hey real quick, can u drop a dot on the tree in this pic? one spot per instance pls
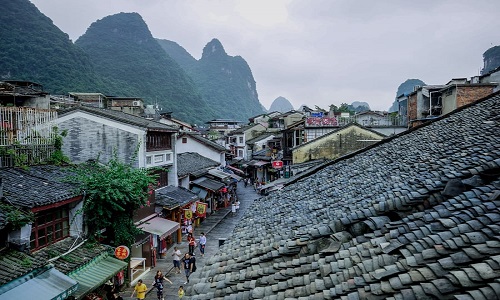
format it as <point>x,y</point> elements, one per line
<point>113,192</point>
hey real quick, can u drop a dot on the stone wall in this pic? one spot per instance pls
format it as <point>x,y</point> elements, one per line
<point>88,139</point>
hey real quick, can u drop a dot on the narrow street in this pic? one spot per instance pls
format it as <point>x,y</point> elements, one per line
<point>218,226</point>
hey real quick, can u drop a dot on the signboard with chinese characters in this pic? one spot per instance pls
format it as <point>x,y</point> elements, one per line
<point>188,214</point>
<point>277,164</point>
<point>321,122</point>
<point>201,209</point>
<point>122,252</point>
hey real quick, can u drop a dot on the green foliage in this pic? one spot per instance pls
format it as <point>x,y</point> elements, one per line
<point>57,157</point>
<point>34,49</point>
<point>16,217</point>
<point>113,192</point>
<point>26,262</point>
<point>141,67</point>
<point>224,81</point>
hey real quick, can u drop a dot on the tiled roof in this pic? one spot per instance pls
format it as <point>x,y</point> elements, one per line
<point>415,217</point>
<point>205,141</point>
<point>14,264</point>
<point>334,132</point>
<point>260,137</point>
<point>172,196</point>
<point>37,185</point>
<point>243,129</point>
<point>121,117</point>
<point>191,162</point>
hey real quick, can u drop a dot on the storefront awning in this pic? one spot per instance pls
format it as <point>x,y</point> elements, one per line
<point>159,226</point>
<point>236,177</point>
<point>261,163</point>
<point>48,283</point>
<point>95,274</point>
<point>219,174</point>
<point>209,184</point>
<point>235,169</point>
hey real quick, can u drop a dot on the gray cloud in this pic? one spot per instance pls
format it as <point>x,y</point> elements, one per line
<point>317,52</point>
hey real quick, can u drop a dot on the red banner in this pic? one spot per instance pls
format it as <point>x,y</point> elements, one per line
<point>201,209</point>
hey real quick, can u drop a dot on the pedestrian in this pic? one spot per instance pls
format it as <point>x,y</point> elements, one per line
<point>177,260</point>
<point>233,209</point>
<point>189,228</point>
<point>191,242</point>
<point>158,284</point>
<point>237,205</point>
<point>245,181</point>
<point>189,265</point>
<point>141,289</point>
<point>203,242</point>
<point>180,292</point>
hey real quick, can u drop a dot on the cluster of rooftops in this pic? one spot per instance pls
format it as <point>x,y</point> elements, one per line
<point>415,216</point>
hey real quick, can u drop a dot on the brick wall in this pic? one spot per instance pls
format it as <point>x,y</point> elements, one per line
<point>469,94</point>
<point>412,107</point>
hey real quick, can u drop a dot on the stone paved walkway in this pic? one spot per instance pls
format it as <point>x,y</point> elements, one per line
<point>218,226</point>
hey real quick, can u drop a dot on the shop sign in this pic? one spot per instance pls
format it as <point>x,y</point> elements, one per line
<point>188,214</point>
<point>122,252</point>
<point>201,209</point>
<point>278,164</point>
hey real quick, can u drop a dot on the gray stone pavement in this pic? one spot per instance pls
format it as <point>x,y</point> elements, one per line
<point>220,225</point>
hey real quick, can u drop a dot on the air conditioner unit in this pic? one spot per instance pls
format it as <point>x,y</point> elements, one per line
<point>136,103</point>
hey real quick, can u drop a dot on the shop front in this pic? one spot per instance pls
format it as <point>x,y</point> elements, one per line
<point>213,193</point>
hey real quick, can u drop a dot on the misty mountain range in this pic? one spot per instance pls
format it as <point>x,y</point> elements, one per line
<point>118,56</point>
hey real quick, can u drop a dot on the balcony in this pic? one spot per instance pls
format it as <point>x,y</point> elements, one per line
<point>27,135</point>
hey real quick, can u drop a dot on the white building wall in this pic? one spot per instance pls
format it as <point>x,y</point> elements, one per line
<point>193,145</point>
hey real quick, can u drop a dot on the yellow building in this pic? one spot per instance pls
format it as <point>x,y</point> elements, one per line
<point>337,143</point>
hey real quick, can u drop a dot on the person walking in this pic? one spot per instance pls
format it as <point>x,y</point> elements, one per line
<point>177,260</point>
<point>203,242</point>
<point>180,292</point>
<point>191,242</point>
<point>140,288</point>
<point>158,284</point>
<point>189,265</point>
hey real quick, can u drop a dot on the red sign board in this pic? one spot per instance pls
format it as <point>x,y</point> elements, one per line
<point>122,252</point>
<point>278,164</point>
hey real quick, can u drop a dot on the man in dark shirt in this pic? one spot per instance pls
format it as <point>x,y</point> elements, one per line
<point>189,262</point>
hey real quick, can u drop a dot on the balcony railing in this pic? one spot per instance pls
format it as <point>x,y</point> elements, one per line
<point>26,126</point>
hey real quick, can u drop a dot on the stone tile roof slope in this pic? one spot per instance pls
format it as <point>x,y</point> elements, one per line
<point>415,217</point>
<point>121,117</point>
<point>190,162</point>
<point>173,196</point>
<point>260,137</point>
<point>37,185</point>
<point>14,264</point>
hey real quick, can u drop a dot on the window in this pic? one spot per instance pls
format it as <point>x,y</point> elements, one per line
<point>149,160</point>
<point>49,226</point>
<point>240,153</point>
<point>158,141</point>
<point>241,140</point>
<point>184,140</point>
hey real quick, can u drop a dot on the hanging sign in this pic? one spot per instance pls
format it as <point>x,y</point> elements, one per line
<point>201,209</point>
<point>188,214</point>
<point>277,164</point>
<point>122,252</point>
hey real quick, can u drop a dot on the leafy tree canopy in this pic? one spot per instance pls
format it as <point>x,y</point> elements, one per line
<point>113,191</point>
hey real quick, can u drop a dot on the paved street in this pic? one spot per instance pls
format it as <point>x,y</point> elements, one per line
<point>218,226</point>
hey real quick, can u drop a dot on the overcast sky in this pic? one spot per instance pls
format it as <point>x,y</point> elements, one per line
<point>316,52</point>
